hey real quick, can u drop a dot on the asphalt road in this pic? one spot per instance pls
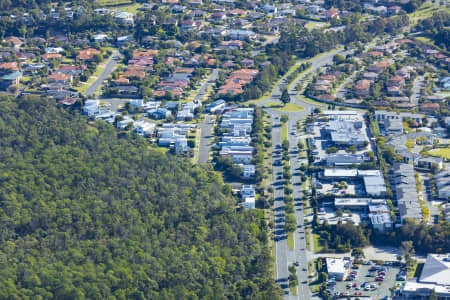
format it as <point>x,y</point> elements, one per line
<point>281,247</point>
<point>104,75</point>
<point>212,78</point>
<point>205,139</point>
<point>417,86</point>
<point>206,125</point>
<point>283,255</point>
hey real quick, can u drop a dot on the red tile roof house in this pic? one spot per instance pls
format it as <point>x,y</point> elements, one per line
<point>394,91</point>
<point>60,78</point>
<point>379,67</point>
<point>237,12</point>
<point>429,107</point>
<point>376,53</point>
<point>9,66</point>
<point>148,53</point>
<point>15,41</point>
<point>332,13</point>
<point>173,84</point>
<point>87,54</point>
<point>48,56</point>
<point>169,1</point>
<point>234,44</point>
<point>362,88</point>
<point>134,74</point>
<point>328,77</point>
<point>397,81</point>
<point>121,81</point>
<point>72,70</point>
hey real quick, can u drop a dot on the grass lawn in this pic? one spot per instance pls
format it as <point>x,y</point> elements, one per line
<point>308,244</point>
<point>317,246</point>
<point>113,2</point>
<point>425,11</point>
<point>284,131</point>
<point>293,290</point>
<point>290,107</point>
<point>290,240</point>
<point>442,152</point>
<point>311,101</point>
<point>130,8</point>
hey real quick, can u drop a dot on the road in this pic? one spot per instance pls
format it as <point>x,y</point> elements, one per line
<point>205,139</point>
<point>204,88</point>
<point>418,85</point>
<point>206,125</point>
<point>110,65</point>
<point>283,255</point>
<point>341,91</point>
<point>281,247</point>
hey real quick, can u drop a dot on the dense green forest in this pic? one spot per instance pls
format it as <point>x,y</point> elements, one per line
<point>437,28</point>
<point>86,213</point>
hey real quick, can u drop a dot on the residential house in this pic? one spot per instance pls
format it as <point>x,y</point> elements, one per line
<point>429,107</point>
<point>231,45</point>
<point>87,54</point>
<point>144,128</point>
<point>362,88</point>
<point>10,79</point>
<point>60,78</point>
<point>124,17</point>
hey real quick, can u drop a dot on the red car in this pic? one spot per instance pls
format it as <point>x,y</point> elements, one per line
<point>355,284</point>
<point>382,273</point>
<point>379,279</point>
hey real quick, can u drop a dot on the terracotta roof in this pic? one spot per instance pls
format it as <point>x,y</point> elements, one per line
<point>14,40</point>
<point>9,66</point>
<point>51,56</point>
<point>134,73</point>
<point>87,54</point>
<point>122,80</point>
<point>362,85</point>
<point>149,52</point>
<point>60,77</point>
<point>375,53</point>
<point>430,105</point>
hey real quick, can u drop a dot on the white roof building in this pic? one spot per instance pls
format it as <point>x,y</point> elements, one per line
<point>338,268</point>
<point>436,270</point>
<point>340,172</point>
<point>435,276</point>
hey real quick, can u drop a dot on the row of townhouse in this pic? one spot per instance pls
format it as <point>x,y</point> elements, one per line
<point>174,136</point>
<point>236,143</point>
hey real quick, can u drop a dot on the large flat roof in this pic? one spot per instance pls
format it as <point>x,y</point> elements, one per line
<point>340,172</point>
<point>337,265</point>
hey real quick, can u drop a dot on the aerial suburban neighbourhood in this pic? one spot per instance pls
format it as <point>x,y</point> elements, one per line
<point>225,149</point>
